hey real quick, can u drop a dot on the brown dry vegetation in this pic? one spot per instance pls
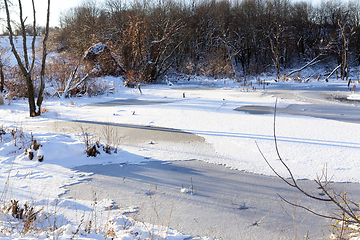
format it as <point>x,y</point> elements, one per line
<point>147,40</point>
<point>216,37</point>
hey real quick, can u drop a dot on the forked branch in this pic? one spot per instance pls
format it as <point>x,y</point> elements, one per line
<point>339,200</point>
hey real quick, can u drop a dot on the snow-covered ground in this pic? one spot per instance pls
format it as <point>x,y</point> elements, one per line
<point>306,144</point>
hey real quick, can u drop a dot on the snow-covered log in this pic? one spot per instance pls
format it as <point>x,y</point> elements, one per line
<point>312,62</point>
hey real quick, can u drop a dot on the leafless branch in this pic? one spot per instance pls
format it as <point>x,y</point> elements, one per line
<point>337,199</point>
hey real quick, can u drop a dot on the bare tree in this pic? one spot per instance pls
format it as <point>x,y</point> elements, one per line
<point>345,37</point>
<point>277,30</point>
<point>79,26</point>
<point>26,64</point>
<point>274,39</point>
<point>220,35</point>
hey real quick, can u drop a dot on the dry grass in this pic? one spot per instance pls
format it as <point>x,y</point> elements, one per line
<point>93,144</point>
<point>27,219</point>
<point>112,138</point>
<point>44,110</point>
<point>42,217</point>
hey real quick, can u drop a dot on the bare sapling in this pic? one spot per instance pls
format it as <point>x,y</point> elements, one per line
<point>346,208</point>
<point>26,63</point>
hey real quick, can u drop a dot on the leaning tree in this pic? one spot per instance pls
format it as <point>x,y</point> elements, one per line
<point>27,63</point>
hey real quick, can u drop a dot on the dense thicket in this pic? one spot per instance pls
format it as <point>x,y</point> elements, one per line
<point>216,37</point>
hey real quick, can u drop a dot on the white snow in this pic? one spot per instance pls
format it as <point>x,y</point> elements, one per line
<point>354,96</point>
<point>96,49</point>
<point>306,144</point>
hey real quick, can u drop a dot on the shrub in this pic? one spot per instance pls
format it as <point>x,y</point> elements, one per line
<point>134,77</point>
<point>216,66</point>
<point>61,68</point>
<point>16,85</point>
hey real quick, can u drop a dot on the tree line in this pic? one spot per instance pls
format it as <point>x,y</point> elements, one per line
<point>216,37</point>
<point>238,38</point>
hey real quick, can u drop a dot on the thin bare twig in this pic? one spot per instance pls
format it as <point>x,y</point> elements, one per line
<point>339,200</point>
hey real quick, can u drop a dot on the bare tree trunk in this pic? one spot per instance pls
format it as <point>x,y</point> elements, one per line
<point>310,63</point>
<point>43,62</point>
<point>345,52</point>
<point>2,78</point>
<point>275,49</point>
<point>31,95</point>
<point>335,69</point>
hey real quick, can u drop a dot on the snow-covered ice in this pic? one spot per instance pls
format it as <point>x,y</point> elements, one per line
<point>306,144</point>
